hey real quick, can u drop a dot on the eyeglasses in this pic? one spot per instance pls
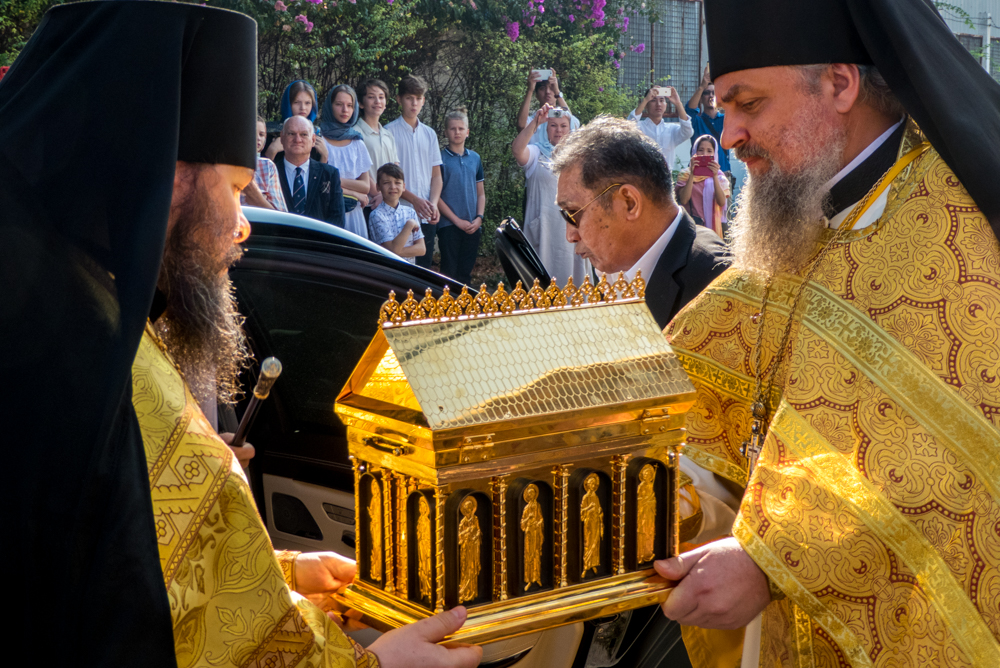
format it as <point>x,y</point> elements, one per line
<point>570,218</point>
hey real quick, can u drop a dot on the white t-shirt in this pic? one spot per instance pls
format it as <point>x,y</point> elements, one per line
<point>418,152</point>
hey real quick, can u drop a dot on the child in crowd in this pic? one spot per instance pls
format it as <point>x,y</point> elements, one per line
<point>392,224</point>
<point>463,200</point>
<point>381,144</point>
<point>265,189</point>
<point>347,152</point>
<point>420,158</point>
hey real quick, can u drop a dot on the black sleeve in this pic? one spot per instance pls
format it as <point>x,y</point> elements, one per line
<point>335,203</point>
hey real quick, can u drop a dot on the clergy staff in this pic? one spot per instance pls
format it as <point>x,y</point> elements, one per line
<point>846,364</point>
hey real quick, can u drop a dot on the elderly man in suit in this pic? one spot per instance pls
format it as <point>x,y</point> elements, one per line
<point>310,187</point>
<point>616,194</point>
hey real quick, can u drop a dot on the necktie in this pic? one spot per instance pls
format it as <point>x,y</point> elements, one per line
<point>298,193</point>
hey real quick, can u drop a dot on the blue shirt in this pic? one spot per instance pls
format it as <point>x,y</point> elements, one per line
<point>703,125</point>
<point>386,223</point>
<point>459,176</point>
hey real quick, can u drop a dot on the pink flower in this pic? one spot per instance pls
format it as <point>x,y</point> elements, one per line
<point>571,18</point>
<point>639,48</point>
<point>617,64</point>
<point>286,28</point>
<point>513,30</point>
<point>301,18</point>
<point>315,2</point>
<point>279,6</point>
<point>309,26</point>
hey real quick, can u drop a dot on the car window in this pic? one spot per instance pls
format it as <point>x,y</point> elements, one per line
<point>317,330</point>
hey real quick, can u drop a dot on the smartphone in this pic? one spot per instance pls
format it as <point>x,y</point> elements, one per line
<point>557,113</point>
<point>543,74</point>
<point>664,91</point>
<point>699,165</point>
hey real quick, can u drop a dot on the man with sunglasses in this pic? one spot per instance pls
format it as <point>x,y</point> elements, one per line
<point>616,195</point>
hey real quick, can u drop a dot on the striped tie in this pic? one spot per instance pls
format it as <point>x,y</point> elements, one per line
<point>298,193</point>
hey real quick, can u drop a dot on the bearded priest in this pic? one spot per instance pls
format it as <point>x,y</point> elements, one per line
<point>848,365</point>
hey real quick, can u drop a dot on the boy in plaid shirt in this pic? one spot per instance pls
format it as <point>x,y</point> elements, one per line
<point>394,225</point>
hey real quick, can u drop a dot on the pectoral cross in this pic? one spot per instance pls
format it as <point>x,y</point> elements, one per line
<point>752,446</point>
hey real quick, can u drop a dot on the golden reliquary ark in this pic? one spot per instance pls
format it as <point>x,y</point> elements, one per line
<point>515,453</point>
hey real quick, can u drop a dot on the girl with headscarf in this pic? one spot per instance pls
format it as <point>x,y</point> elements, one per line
<point>704,196</point>
<point>299,99</point>
<point>346,151</point>
<point>544,226</point>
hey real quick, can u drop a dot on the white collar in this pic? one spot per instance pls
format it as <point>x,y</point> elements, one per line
<point>647,263</point>
<point>290,172</point>
<point>852,165</point>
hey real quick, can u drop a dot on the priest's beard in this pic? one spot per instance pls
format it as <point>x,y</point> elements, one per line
<point>201,326</point>
<point>779,216</point>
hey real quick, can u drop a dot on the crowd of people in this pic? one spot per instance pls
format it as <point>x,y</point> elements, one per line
<point>441,196</point>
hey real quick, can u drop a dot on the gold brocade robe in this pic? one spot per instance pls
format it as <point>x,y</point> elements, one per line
<point>875,506</point>
<point>229,599</point>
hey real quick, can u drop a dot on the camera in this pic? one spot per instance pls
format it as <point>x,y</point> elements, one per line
<point>557,113</point>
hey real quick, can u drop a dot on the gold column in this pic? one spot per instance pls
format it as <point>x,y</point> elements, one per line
<point>618,510</point>
<point>675,500</point>
<point>560,522</point>
<point>402,551</point>
<point>358,511</point>
<point>388,486</point>
<point>498,486</point>
<point>439,499</point>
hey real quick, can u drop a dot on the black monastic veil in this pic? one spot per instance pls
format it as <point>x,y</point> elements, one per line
<point>94,114</point>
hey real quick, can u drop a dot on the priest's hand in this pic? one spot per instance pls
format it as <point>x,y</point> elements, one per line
<point>720,586</point>
<point>244,453</point>
<point>415,646</point>
<point>318,576</point>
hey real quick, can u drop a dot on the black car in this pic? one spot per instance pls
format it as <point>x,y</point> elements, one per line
<point>311,294</point>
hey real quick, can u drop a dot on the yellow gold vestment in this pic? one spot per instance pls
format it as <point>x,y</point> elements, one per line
<point>230,598</point>
<point>875,506</point>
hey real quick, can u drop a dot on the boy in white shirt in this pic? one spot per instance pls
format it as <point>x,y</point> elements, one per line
<point>391,224</point>
<point>420,158</point>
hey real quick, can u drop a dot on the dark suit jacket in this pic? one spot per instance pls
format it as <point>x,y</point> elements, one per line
<point>324,197</point>
<point>693,258</point>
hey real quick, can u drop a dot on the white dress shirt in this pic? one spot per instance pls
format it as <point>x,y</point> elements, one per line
<point>418,153</point>
<point>668,136</point>
<point>647,263</point>
<point>290,175</point>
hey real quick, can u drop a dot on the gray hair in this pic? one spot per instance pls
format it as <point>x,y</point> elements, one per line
<point>873,91</point>
<point>609,150</point>
<point>284,125</point>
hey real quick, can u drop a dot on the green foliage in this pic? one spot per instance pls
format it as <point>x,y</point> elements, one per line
<point>18,19</point>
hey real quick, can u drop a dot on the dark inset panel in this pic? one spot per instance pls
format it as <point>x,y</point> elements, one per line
<point>371,532</point>
<point>530,536</point>
<point>646,524</point>
<point>421,548</point>
<point>589,544</point>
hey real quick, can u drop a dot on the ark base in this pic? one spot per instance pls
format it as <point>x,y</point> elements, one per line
<point>500,620</point>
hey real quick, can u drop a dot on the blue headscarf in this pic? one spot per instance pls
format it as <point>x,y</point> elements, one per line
<point>543,144</point>
<point>330,127</point>
<point>286,102</point>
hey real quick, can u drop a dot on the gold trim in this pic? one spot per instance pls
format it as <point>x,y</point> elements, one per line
<point>388,544</point>
<point>501,302</point>
<point>802,637</point>
<point>440,496</point>
<point>838,631</point>
<point>498,487</point>
<point>402,542</point>
<point>560,479</point>
<point>619,510</point>
<point>834,472</point>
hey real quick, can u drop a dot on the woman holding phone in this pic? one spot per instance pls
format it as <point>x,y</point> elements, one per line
<point>702,188</point>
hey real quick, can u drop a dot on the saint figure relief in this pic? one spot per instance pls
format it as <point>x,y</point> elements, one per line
<point>469,540</point>
<point>645,501</point>
<point>375,531</point>
<point>424,549</point>
<point>592,517</point>
<point>532,524</point>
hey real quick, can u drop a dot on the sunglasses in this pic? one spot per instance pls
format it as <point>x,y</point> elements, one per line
<point>570,218</point>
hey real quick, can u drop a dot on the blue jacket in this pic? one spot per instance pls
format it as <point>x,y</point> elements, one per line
<point>324,196</point>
